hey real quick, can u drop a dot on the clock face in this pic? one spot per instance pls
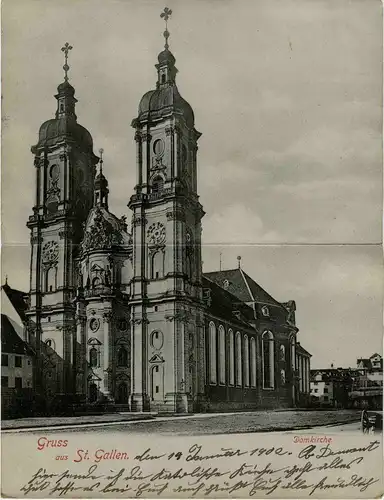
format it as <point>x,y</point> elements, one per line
<point>156,233</point>
<point>50,251</point>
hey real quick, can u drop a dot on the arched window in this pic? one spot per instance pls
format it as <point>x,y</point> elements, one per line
<point>221,355</point>
<point>293,353</point>
<point>253,362</point>
<point>239,365</point>
<point>50,279</point>
<point>122,357</point>
<point>93,391</point>
<point>122,393</point>
<point>157,184</point>
<point>282,353</point>
<point>246,361</point>
<point>157,392</point>
<point>231,341</point>
<point>157,265</point>
<point>93,361</point>
<point>212,353</point>
<point>268,361</point>
<point>96,282</point>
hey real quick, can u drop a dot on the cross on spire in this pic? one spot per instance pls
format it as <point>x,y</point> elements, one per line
<point>166,15</point>
<point>66,49</point>
<point>101,151</point>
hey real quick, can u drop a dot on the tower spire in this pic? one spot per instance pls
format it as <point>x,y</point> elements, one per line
<point>101,185</point>
<point>166,15</point>
<point>66,50</point>
<point>101,151</point>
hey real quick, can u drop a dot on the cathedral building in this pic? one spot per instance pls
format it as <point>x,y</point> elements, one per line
<point>127,318</point>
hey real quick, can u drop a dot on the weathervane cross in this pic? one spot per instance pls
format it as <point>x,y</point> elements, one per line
<point>66,49</point>
<point>166,15</point>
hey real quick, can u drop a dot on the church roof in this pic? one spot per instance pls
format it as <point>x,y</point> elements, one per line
<point>242,286</point>
<point>225,305</point>
<point>104,230</point>
<point>300,350</point>
<point>18,300</point>
<point>59,129</point>
<point>161,102</point>
<point>10,340</point>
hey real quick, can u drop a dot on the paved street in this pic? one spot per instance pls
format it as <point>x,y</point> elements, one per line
<point>229,423</point>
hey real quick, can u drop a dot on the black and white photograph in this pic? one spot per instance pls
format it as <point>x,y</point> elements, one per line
<point>192,199</point>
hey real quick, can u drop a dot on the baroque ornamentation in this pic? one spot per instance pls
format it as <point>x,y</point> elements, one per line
<point>138,221</point>
<point>145,137</point>
<point>138,136</point>
<point>107,316</point>
<point>176,215</point>
<point>101,234</point>
<point>169,131</point>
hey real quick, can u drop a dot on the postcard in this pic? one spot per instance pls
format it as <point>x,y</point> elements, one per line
<point>192,281</point>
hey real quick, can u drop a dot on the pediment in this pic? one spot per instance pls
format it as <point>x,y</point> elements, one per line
<point>96,268</point>
<point>156,358</point>
<point>93,341</point>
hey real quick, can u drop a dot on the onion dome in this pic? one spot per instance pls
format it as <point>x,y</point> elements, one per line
<point>164,101</point>
<point>64,126</point>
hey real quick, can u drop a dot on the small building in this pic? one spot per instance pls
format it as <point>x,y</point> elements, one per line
<point>16,370</point>
<point>330,387</point>
<point>367,387</point>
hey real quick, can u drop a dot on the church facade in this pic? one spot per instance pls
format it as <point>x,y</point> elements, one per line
<point>127,318</point>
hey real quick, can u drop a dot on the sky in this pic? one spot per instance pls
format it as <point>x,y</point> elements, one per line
<point>288,97</point>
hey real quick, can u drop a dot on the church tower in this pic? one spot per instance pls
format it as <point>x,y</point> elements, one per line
<point>166,291</point>
<point>64,189</point>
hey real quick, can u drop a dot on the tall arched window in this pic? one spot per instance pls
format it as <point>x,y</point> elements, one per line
<point>157,265</point>
<point>246,361</point>
<point>268,361</point>
<point>239,360</point>
<point>293,353</point>
<point>231,341</point>
<point>93,355</point>
<point>253,362</point>
<point>50,279</point>
<point>122,357</point>
<point>212,353</point>
<point>222,370</point>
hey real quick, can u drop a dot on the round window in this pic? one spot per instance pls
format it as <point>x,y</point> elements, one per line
<point>157,339</point>
<point>94,324</point>
<point>158,147</point>
<point>54,172</point>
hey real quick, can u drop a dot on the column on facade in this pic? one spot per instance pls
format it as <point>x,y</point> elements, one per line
<point>146,139</point>
<point>107,317</point>
<point>301,373</point>
<point>139,164</point>
<point>137,368</point>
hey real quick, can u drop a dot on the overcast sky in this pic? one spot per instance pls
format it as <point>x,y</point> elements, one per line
<point>288,97</point>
